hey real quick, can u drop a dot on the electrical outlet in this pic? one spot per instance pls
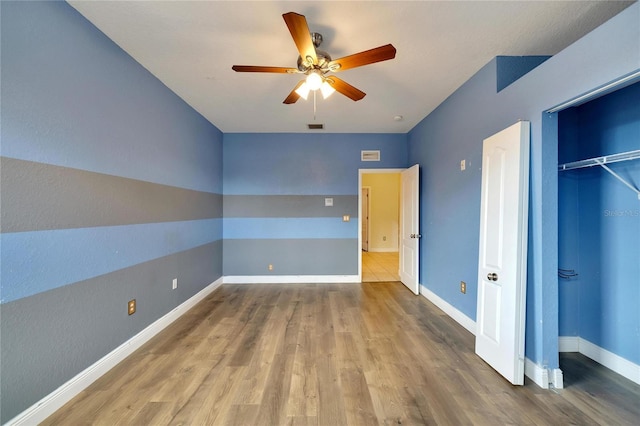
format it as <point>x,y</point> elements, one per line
<point>270,267</point>
<point>384,238</point>
<point>131,306</point>
<point>463,287</point>
<point>174,285</point>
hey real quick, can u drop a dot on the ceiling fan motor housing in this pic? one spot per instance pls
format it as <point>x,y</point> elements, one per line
<point>324,58</point>
<point>323,62</point>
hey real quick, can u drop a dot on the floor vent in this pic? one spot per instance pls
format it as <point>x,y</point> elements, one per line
<point>369,155</point>
<point>315,126</point>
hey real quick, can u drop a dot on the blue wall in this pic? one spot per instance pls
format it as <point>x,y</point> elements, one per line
<point>599,231</point>
<point>111,187</point>
<point>274,191</point>
<point>450,198</point>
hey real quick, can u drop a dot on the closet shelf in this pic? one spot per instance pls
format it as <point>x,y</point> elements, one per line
<point>602,161</point>
<point>605,159</point>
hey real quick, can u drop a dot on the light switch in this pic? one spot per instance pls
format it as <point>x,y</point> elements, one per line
<point>328,202</point>
<point>463,164</point>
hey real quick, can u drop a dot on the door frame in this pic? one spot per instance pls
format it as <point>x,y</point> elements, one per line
<point>550,240</point>
<point>360,173</point>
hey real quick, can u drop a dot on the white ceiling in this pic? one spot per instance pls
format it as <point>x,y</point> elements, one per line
<point>191,45</point>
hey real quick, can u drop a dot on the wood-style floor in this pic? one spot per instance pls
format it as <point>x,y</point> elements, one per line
<point>379,266</point>
<point>333,354</point>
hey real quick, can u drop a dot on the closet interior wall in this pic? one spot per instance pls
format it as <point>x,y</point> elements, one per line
<point>599,226</point>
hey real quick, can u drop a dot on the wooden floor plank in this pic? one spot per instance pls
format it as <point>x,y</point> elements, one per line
<point>303,393</point>
<point>153,413</point>
<point>241,415</point>
<point>331,408</point>
<point>357,399</point>
<point>333,354</point>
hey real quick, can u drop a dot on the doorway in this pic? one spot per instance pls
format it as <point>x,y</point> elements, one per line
<point>379,206</point>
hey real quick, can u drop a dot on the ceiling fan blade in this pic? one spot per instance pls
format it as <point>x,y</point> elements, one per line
<point>345,88</point>
<point>252,68</point>
<point>299,30</point>
<point>293,96</point>
<point>378,54</point>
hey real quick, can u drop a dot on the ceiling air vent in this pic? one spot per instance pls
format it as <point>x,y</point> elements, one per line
<point>369,155</point>
<point>315,126</point>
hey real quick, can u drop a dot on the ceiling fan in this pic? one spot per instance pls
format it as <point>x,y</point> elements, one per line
<point>317,64</point>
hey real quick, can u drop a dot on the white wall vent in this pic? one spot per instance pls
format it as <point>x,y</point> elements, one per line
<point>370,155</point>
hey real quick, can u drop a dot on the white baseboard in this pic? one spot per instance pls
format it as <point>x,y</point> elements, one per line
<point>556,379</point>
<point>568,344</point>
<point>56,399</point>
<point>543,377</point>
<point>289,279</point>
<point>602,356</point>
<point>448,309</point>
<point>537,373</point>
<point>383,249</point>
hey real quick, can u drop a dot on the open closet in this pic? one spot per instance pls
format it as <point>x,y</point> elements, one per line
<point>599,230</point>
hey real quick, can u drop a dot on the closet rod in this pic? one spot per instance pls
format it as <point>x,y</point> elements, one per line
<point>602,161</point>
<point>605,159</point>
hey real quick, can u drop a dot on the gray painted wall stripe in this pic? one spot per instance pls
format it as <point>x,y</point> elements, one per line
<point>39,355</point>
<point>289,206</point>
<point>37,196</point>
<point>291,257</point>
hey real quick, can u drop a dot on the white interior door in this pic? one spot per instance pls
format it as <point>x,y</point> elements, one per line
<point>502,265</point>
<point>365,218</point>
<point>409,228</point>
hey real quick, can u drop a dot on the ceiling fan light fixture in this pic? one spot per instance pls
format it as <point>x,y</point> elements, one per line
<point>326,89</point>
<point>314,80</point>
<point>303,91</point>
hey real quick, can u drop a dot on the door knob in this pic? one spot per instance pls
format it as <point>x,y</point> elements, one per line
<point>492,276</point>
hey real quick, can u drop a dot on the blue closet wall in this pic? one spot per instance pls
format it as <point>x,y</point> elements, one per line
<point>111,187</point>
<point>599,225</point>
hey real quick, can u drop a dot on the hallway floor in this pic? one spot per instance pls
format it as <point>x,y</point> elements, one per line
<point>377,267</point>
